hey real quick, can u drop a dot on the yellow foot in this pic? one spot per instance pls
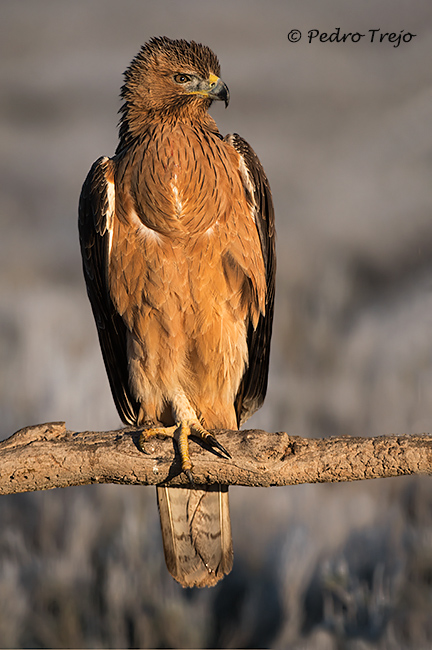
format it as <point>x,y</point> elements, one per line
<point>181,433</point>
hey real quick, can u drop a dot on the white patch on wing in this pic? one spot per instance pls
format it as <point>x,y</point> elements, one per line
<point>245,176</point>
<point>244,173</point>
<point>109,215</point>
<point>110,240</point>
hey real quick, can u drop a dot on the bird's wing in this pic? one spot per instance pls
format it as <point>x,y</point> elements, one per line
<point>96,217</point>
<point>253,386</point>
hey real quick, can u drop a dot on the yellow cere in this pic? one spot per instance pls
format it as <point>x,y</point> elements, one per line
<point>213,79</point>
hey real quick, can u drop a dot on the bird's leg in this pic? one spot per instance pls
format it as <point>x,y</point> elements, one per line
<point>181,431</point>
<point>194,428</point>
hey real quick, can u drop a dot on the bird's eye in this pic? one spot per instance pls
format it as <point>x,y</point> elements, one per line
<point>181,78</point>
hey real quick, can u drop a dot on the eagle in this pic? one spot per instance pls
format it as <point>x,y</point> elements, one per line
<point>178,247</point>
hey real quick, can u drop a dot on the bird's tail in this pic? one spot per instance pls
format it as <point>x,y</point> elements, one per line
<point>196,532</point>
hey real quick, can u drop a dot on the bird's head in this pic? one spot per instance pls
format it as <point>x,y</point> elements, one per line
<point>171,78</point>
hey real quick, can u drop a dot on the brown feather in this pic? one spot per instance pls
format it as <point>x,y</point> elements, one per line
<point>178,251</point>
<point>196,533</point>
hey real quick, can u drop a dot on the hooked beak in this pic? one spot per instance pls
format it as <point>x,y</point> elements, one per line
<point>218,90</point>
<point>213,88</point>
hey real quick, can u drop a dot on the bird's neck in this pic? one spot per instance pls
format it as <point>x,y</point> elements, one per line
<point>136,126</point>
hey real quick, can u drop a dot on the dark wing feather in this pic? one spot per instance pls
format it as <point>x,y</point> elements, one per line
<point>95,220</point>
<point>253,386</point>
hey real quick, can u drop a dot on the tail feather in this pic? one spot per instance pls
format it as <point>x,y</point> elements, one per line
<point>196,533</point>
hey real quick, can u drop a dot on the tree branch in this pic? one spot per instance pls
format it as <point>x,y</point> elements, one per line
<point>48,456</point>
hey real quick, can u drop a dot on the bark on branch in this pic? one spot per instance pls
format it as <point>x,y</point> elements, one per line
<point>48,456</point>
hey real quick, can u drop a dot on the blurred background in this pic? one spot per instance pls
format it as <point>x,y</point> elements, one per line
<point>344,133</point>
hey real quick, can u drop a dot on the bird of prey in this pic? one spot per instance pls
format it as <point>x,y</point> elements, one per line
<point>177,241</point>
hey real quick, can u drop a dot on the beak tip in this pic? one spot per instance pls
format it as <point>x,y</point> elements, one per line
<point>227,97</point>
<point>220,92</point>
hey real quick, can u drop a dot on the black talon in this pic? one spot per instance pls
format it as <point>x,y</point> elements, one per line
<point>214,443</point>
<point>190,477</point>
